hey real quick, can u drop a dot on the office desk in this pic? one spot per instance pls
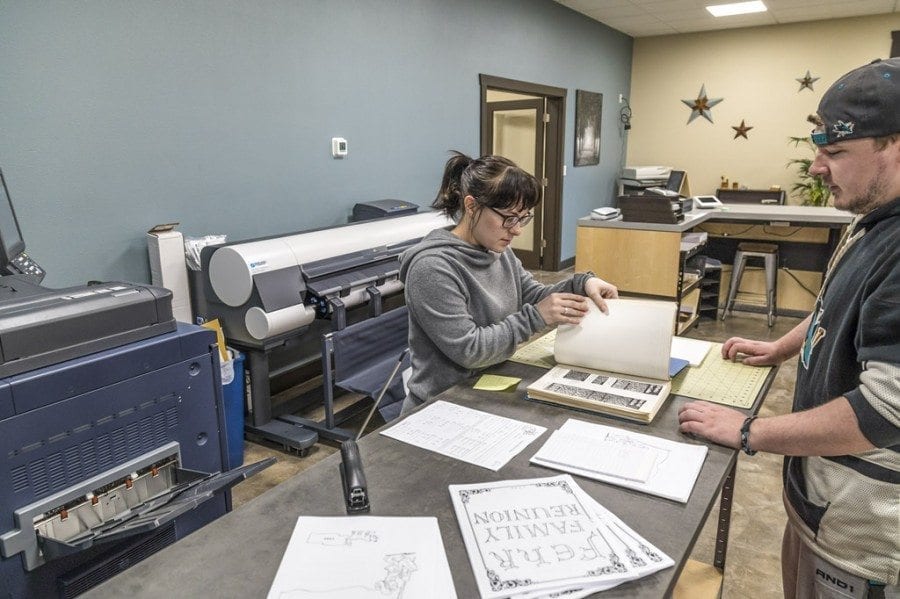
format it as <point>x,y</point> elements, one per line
<point>645,258</point>
<point>238,554</point>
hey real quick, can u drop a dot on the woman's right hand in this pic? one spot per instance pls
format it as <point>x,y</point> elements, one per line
<point>752,353</point>
<point>563,308</point>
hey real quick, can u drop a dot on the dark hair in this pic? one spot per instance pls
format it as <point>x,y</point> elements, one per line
<point>493,181</point>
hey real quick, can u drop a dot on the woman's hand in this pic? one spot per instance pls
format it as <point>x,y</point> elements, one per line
<point>563,308</point>
<point>597,289</point>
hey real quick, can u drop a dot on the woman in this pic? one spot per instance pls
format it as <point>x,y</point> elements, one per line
<point>470,300</point>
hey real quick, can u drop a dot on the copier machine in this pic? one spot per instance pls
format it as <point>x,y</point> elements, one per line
<point>111,433</point>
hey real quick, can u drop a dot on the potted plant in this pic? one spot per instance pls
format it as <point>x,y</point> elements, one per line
<point>811,189</point>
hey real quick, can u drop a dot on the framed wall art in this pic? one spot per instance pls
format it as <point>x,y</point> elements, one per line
<point>588,109</point>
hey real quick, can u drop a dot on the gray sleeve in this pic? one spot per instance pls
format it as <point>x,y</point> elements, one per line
<point>440,307</point>
<point>534,291</point>
<point>876,403</point>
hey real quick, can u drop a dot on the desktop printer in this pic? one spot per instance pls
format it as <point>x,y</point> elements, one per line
<point>382,208</point>
<point>645,173</point>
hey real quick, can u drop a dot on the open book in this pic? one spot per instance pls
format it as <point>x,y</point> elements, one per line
<point>616,364</point>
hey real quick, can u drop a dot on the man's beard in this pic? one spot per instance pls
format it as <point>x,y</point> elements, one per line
<point>872,197</point>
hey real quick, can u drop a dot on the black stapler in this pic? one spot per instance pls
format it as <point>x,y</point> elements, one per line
<point>353,479</point>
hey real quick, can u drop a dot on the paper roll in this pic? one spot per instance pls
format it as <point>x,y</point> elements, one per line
<point>261,324</point>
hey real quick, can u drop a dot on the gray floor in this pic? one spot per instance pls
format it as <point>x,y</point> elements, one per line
<point>752,567</point>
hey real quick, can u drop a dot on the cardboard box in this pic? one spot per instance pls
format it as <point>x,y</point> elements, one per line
<point>165,247</point>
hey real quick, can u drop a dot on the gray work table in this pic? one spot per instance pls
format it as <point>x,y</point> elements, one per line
<point>238,554</point>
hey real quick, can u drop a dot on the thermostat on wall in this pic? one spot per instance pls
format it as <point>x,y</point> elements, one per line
<point>338,147</point>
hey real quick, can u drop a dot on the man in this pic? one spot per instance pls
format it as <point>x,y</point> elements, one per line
<point>842,439</point>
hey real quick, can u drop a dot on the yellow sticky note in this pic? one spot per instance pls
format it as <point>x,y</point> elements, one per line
<point>495,382</point>
<point>220,337</point>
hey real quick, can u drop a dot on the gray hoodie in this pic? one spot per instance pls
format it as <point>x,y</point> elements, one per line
<point>468,309</point>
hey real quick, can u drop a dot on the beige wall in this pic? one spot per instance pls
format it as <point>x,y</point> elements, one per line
<point>755,71</point>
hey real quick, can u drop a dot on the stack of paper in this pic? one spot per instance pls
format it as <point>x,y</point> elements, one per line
<point>364,556</point>
<point>641,462</point>
<point>546,537</point>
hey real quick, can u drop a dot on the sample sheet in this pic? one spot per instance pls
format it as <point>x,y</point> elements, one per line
<point>633,460</point>
<point>469,435</point>
<point>354,557</point>
<point>536,537</point>
<point>721,381</point>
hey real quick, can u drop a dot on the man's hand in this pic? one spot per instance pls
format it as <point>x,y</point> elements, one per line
<point>755,353</point>
<point>713,422</point>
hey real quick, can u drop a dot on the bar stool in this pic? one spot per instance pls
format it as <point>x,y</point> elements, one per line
<point>768,252</point>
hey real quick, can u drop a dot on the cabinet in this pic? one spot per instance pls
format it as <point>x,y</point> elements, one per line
<point>643,263</point>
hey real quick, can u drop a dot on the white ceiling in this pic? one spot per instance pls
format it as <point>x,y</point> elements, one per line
<point>643,18</point>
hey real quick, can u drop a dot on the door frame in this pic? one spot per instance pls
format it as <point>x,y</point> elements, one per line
<point>530,258</point>
<point>554,139</point>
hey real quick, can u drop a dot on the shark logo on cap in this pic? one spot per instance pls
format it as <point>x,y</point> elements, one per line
<point>842,129</point>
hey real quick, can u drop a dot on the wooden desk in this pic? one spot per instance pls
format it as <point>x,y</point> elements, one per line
<point>645,258</point>
<point>238,554</point>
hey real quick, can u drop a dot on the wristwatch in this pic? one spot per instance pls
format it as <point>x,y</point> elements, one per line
<point>745,436</point>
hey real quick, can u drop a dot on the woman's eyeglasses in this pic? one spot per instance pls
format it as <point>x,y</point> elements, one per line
<point>511,220</point>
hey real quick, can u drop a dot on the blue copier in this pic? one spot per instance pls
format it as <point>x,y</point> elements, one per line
<point>111,433</point>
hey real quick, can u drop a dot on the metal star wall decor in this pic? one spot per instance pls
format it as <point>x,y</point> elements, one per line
<point>702,105</point>
<point>806,82</point>
<point>741,131</point>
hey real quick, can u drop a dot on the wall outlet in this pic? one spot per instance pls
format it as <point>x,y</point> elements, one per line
<point>621,98</point>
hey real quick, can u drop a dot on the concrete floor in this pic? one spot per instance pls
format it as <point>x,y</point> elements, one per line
<point>752,568</point>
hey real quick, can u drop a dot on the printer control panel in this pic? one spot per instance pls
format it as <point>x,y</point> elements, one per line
<point>23,264</point>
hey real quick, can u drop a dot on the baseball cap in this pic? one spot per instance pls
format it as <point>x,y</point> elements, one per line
<point>862,103</point>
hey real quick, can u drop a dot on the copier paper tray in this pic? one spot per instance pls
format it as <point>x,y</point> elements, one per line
<point>190,490</point>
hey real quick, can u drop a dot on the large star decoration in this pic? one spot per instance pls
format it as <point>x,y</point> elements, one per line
<point>702,105</point>
<point>806,82</point>
<point>741,131</point>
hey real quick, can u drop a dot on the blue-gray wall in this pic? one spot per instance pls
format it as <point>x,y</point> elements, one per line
<point>219,114</point>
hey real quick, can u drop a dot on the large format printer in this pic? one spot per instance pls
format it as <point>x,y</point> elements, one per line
<point>276,296</point>
<point>111,433</point>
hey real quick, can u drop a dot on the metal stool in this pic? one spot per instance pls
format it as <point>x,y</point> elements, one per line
<point>768,252</point>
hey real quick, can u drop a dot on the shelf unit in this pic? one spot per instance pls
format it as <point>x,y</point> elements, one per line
<point>689,293</point>
<point>710,286</point>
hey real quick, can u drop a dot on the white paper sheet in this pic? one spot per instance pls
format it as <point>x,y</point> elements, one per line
<point>469,435</point>
<point>672,476</point>
<point>355,557</point>
<point>634,338</point>
<point>692,350</point>
<point>603,456</point>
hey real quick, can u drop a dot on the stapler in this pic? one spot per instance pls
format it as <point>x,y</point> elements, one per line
<point>353,479</point>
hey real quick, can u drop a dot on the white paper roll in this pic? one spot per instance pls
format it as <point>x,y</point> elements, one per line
<point>261,324</point>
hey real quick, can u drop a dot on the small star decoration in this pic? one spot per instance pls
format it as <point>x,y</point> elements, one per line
<point>807,81</point>
<point>741,131</point>
<point>701,106</point>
